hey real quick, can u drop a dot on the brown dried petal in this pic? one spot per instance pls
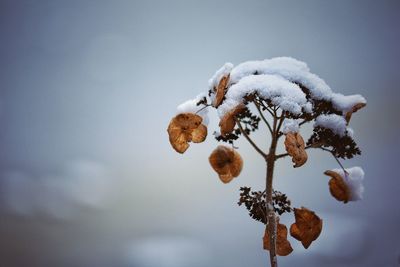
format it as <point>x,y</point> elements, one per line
<point>227,162</point>
<point>338,187</point>
<point>199,134</point>
<point>307,227</point>
<point>184,128</point>
<point>354,109</point>
<point>227,123</point>
<point>221,90</point>
<point>283,247</point>
<point>295,147</point>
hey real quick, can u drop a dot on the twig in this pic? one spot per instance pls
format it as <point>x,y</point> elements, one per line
<point>249,139</point>
<point>337,160</point>
<point>282,118</point>
<point>303,122</point>
<point>205,106</point>
<point>262,116</point>
<point>287,154</point>
<point>320,147</point>
<point>267,108</point>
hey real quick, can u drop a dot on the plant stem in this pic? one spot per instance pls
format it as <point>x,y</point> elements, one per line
<point>270,160</point>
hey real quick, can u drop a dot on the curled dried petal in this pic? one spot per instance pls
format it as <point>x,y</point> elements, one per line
<point>227,123</point>
<point>227,162</point>
<point>185,128</point>
<point>199,134</point>
<point>283,247</point>
<point>338,187</point>
<point>295,147</point>
<point>307,227</point>
<point>354,109</point>
<point>221,90</point>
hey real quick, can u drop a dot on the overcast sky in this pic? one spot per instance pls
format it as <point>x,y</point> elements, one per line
<point>87,89</point>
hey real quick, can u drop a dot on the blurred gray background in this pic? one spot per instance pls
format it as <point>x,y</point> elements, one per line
<point>87,89</point>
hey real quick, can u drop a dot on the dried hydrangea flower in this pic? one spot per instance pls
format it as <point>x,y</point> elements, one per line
<point>283,247</point>
<point>221,90</point>
<point>226,162</point>
<point>295,147</point>
<point>185,128</point>
<point>354,109</point>
<point>227,123</point>
<point>338,187</point>
<point>307,227</point>
<point>346,186</point>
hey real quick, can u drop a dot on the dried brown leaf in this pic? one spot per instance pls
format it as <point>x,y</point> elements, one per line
<point>227,123</point>
<point>221,91</point>
<point>283,247</point>
<point>354,109</point>
<point>338,187</point>
<point>307,227</point>
<point>185,128</point>
<point>295,147</point>
<point>227,162</point>
<point>199,134</point>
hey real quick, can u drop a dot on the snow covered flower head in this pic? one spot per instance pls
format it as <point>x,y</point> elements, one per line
<point>282,94</point>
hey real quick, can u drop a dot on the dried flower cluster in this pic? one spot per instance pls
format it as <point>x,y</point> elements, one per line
<point>283,94</point>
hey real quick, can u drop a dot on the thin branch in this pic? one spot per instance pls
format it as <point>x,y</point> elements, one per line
<point>270,112</point>
<point>320,147</point>
<point>337,160</point>
<point>303,122</point>
<point>282,118</point>
<point>267,108</point>
<point>205,106</point>
<point>281,155</point>
<point>307,147</point>
<point>262,116</point>
<point>249,139</point>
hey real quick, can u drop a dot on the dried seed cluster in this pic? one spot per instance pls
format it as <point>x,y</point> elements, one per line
<point>255,203</point>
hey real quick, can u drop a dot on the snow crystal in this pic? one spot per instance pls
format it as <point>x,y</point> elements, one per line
<point>190,106</point>
<point>288,68</point>
<point>223,71</point>
<point>290,125</point>
<point>334,122</point>
<point>288,96</point>
<point>345,103</point>
<point>353,180</point>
